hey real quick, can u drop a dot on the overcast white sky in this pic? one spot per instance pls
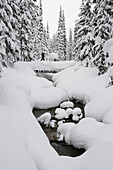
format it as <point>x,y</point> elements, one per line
<point>51,13</point>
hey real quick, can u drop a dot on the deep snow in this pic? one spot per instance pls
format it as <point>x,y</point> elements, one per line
<point>21,134</point>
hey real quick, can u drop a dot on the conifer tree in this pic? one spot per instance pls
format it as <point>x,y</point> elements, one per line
<point>53,44</point>
<point>35,20</point>
<point>70,46</point>
<point>102,30</point>
<point>8,30</point>
<point>61,36</point>
<point>25,30</point>
<point>48,37</point>
<point>82,32</point>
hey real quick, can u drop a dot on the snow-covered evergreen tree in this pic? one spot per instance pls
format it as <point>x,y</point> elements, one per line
<point>53,44</point>
<point>25,31</point>
<point>70,46</point>
<point>40,45</point>
<point>61,36</point>
<point>48,37</point>
<point>8,30</point>
<point>64,35</point>
<point>83,37</point>
<point>35,20</point>
<point>102,24</point>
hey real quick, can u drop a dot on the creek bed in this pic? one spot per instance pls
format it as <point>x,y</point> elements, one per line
<point>60,146</point>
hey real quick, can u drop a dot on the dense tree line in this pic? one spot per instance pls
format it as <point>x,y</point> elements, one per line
<point>22,34</point>
<point>92,29</point>
<point>24,37</point>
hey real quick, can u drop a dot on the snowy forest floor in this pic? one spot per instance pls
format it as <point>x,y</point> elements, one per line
<point>61,147</point>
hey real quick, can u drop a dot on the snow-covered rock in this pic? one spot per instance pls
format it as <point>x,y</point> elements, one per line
<point>64,130</point>
<point>60,113</point>
<point>61,122</point>
<point>52,124</point>
<point>69,111</point>
<point>83,84</point>
<point>67,104</point>
<point>45,118</point>
<point>77,114</point>
<point>88,132</point>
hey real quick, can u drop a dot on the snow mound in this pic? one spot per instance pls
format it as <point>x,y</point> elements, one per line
<point>88,132</point>
<point>60,114</point>
<point>64,131</point>
<point>108,118</point>
<point>45,118</point>
<point>48,97</point>
<point>81,83</point>
<point>67,104</point>
<point>99,107</point>
<point>77,114</point>
<point>98,157</point>
<point>69,111</point>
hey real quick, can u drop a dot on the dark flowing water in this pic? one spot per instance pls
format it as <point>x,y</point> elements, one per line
<point>61,147</point>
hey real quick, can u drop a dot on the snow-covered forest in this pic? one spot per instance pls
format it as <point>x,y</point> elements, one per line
<point>23,36</point>
<point>68,81</point>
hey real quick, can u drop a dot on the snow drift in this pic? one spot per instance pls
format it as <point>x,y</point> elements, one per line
<point>23,144</point>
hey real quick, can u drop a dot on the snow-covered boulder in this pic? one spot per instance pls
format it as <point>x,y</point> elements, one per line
<point>60,113</point>
<point>69,111</point>
<point>77,114</point>
<point>48,97</point>
<point>88,132</point>
<point>67,104</point>
<point>52,124</point>
<point>64,131</point>
<point>83,84</point>
<point>101,105</point>
<point>45,118</point>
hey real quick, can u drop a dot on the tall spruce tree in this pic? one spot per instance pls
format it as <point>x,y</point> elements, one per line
<point>82,32</point>
<point>102,30</point>
<point>48,37</point>
<point>53,44</point>
<point>40,45</point>
<point>25,30</point>
<point>8,30</point>
<point>70,46</point>
<point>35,20</point>
<point>61,36</point>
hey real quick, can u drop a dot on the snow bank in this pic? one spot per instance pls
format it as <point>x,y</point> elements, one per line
<point>87,133</point>
<point>99,107</point>
<point>50,65</point>
<point>41,91</point>
<point>99,157</point>
<point>24,145</point>
<point>81,83</point>
<point>108,118</point>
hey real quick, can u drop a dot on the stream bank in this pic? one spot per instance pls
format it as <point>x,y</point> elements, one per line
<point>60,146</point>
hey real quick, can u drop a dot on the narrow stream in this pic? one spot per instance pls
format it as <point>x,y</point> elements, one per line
<point>61,147</point>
